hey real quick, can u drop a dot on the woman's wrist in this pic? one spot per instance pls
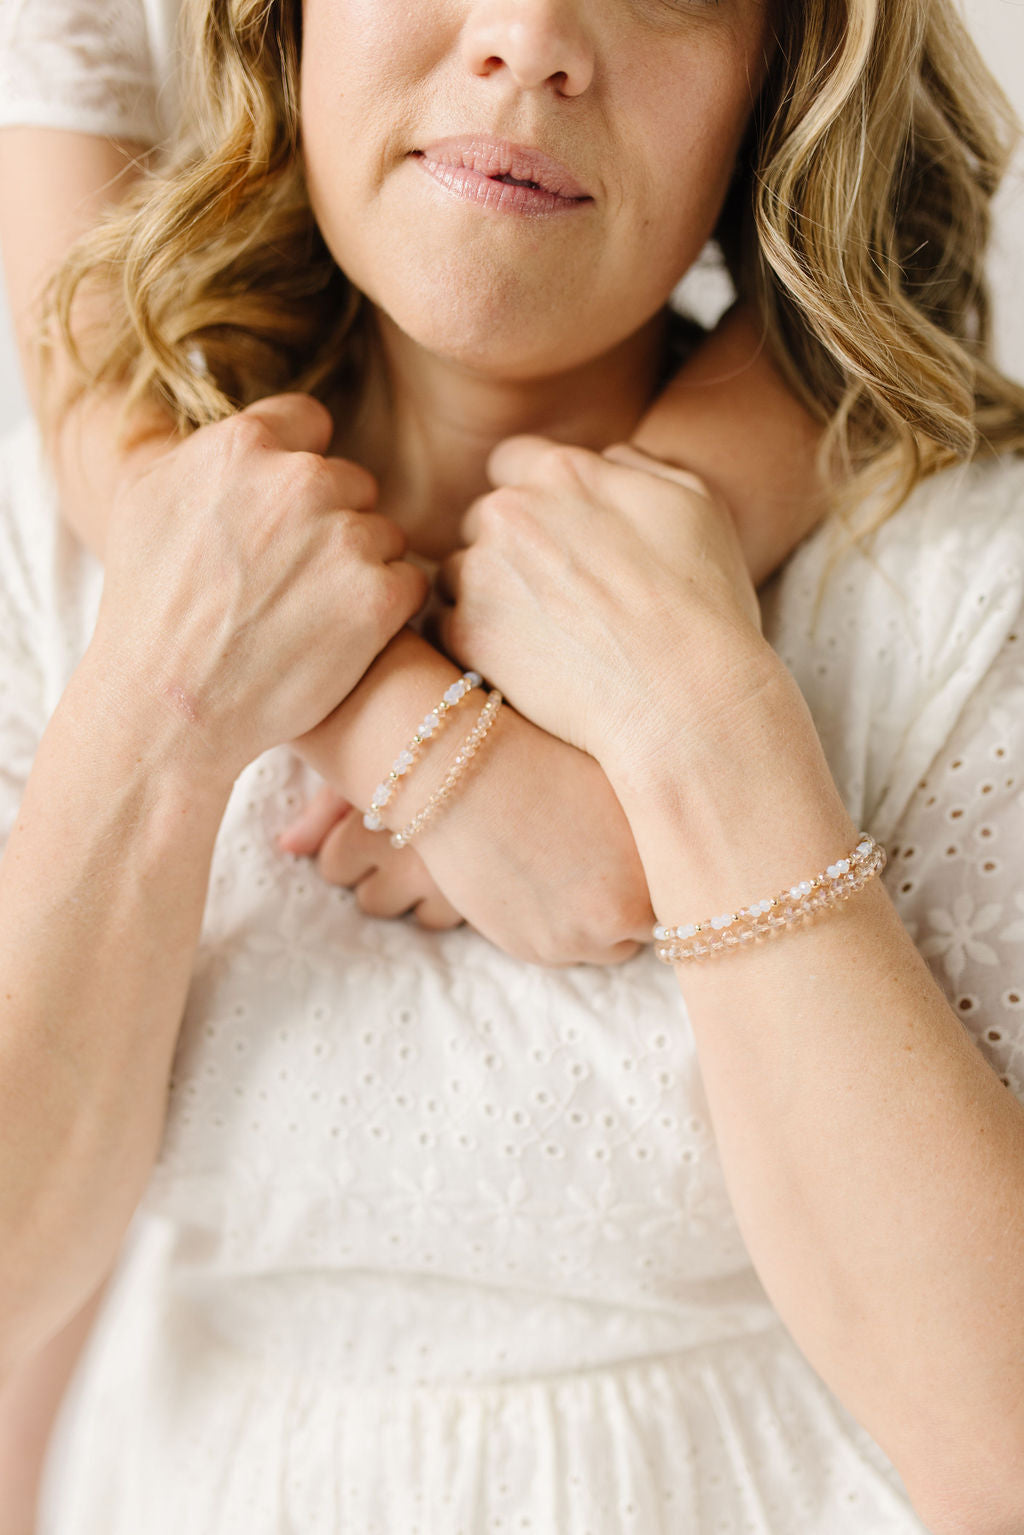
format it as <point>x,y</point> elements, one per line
<point>533,850</point>
<point>662,727</point>
<point>136,714</point>
<point>732,805</point>
<point>354,746</point>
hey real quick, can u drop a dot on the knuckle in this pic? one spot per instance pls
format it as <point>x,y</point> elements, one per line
<point>566,464</point>
<point>243,433</point>
<point>308,476</point>
<point>571,941</point>
<point>334,860</point>
<point>379,898</point>
<point>329,864</point>
<point>350,537</point>
<point>594,926</point>
<point>355,485</point>
<point>558,956</point>
<point>612,918</point>
<point>503,509</point>
<point>387,602</point>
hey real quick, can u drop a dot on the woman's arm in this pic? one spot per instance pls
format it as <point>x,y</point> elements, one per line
<point>54,184</point>
<point>102,887</point>
<point>875,1161</point>
<point>232,548</point>
<point>728,417</point>
<point>535,852</point>
<point>534,849</point>
<point>572,888</point>
<point>29,1403</point>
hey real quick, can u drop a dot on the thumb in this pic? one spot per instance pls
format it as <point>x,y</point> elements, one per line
<point>296,421</point>
<point>635,458</point>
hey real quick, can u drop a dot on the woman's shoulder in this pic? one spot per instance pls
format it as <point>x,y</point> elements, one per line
<point>956,512</point>
<point>889,638</point>
<point>96,66</point>
<point>959,513</point>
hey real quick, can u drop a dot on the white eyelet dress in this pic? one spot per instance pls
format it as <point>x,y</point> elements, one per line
<point>438,1243</point>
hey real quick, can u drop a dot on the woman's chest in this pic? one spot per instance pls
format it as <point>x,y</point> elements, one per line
<point>359,1093</point>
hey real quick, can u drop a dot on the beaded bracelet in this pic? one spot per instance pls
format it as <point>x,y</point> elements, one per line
<point>697,940</point>
<point>372,820</point>
<point>466,752</point>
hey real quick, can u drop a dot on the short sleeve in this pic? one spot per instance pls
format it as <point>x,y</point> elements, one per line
<point>79,64</point>
<point>956,865</point>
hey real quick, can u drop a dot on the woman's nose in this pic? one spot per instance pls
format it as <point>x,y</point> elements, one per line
<point>537,41</point>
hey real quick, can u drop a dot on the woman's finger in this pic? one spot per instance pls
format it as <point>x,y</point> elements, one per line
<point>305,834</point>
<point>350,852</point>
<point>635,458</point>
<point>296,421</point>
<point>391,891</point>
<point>355,487</point>
<point>516,460</point>
<point>437,914</point>
<point>387,538</point>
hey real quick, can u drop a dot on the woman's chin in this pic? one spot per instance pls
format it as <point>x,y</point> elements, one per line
<point>484,341</point>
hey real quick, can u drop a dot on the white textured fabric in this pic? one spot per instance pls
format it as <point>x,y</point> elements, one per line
<point>95,66</point>
<point>438,1241</point>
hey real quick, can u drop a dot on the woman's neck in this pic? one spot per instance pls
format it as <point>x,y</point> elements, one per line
<point>425,425</point>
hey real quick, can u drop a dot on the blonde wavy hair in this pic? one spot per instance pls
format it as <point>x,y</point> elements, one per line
<point>856,228</point>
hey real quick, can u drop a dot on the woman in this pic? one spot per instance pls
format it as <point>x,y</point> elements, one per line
<point>454,1331</point>
<point>107,79</point>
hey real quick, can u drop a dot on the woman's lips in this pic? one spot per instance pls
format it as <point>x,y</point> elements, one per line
<point>496,174</point>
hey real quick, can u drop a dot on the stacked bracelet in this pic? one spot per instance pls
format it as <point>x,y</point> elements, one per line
<point>466,752</point>
<point>372,820</point>
<point>698,940</point>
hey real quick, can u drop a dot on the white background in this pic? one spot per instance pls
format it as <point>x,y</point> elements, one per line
<point>998,26</point>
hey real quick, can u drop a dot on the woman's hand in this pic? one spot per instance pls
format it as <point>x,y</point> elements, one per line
<point>600,593</point>
<point>246,584</point>
<point>388,881</point>
<point>534,851</point>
